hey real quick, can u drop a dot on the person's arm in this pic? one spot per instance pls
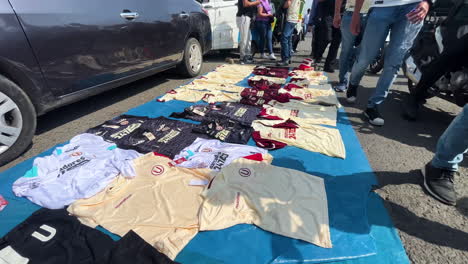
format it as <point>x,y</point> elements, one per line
<point>355,26</point>
<point>247,3</point>
<point>337,15</point>
<point>260,12</point>
<point>287,3</point>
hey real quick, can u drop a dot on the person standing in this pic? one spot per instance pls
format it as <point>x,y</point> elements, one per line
<point>305,21</point>
<point>440,172</point>
<point>311,27</point>
<point>291,7</point>
<point>326,34</point>
<point>348,40</point>
<point>245,12</point>
<point>404,19</point>
<point>263,25</point>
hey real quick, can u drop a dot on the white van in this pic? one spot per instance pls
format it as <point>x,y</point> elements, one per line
<point>225,33</point>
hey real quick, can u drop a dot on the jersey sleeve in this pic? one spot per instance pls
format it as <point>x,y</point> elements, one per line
<point>123,161</point>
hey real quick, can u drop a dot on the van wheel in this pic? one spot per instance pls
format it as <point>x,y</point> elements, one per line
<point>17,120</point>
<point>193,59</point>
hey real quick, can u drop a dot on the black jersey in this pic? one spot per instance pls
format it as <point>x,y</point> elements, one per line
<point>162,135</point>
<point>244,114</point>
<point>55,237</point>
<point>225,130</point>
<point>118,128</point>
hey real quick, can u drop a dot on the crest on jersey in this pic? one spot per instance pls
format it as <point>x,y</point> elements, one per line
<point>157,170</point>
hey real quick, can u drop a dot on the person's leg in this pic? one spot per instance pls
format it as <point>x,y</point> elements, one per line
<point>402,35</point>
<point>248,44</point>
<point>324,37</point>
<point>286,41</point>
<point>439,174</point>
<point>347,46</point>
<point>333,50</point>
<point>261,29</point>
<point>269,43</point>
<point>378,25</point>
<point>239,21</point>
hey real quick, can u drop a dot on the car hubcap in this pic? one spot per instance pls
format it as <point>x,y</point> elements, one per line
<point>195,59</point>
<point>11,122</point>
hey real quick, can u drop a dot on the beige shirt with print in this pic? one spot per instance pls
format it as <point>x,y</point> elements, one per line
<point>293,11</point>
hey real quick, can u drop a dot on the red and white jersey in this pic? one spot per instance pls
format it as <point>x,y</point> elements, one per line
<point>302,113</point>
<point>320,94</point>
<point>272,135</point>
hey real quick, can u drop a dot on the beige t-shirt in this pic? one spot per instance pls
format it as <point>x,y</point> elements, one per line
<point>350,4</point>
<point>183,94</point>
<point>314,138</point>
<point>159,204</point>
<point>293,11</point>
<point>317,95</point>
<point>280,200</point>
<point>204,84</point>
<point>302,113</point>
<point>236,69</point>
<point>223,77</point>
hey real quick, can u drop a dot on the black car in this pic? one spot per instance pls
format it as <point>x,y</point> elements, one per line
<point>55,52</point>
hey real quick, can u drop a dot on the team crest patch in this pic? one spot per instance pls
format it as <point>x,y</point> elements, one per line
<point>157,170</point>
<point>244,172</point>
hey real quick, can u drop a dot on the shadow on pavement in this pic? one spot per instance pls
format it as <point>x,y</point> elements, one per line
<point>92,104</point>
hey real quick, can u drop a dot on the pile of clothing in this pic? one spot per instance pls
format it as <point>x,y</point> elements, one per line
<point>157,182</point>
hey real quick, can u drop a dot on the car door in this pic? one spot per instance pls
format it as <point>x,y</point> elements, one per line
<point>227,31</point>
<point>211,7</point>
<point>82,44</point>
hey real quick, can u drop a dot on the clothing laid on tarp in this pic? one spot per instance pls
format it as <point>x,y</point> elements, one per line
<point>313,95</point>
<point>214,154</point>
<point>280,200</point>
<point>160,204</point>
<point>163,135</point>
<point>77,170</point>
<point>235,69</point>
<point>189,95</point>
<point>244,114</point>
<point>226,130</point>
<point>273,134</point>
<point>55,237</point>
<point>300,112</point>
<point>258,97</point>
<point>280,72</point>
<point>207,85</point>
<point>117,128</point>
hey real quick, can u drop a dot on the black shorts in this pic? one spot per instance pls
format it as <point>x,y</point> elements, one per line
<point>55,237</point>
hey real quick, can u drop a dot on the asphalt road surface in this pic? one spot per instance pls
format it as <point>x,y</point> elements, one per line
<point>431,232</point>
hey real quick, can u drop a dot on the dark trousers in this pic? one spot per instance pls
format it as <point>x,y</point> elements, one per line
<point>453,58</point>
<point>326,34</point>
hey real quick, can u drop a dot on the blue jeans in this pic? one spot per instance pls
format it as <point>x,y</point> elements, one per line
<point>348,41</point>
<point>453,143</point>
<point>380,21</point>
<point>265,35</point>
<point>286,41</point>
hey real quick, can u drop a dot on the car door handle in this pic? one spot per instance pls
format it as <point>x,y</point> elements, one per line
<point>184,15</point>
<point>129,15</point>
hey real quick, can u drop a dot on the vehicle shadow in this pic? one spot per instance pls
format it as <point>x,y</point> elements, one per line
<point>68,113</point>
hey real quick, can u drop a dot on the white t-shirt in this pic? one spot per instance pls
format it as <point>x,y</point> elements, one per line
<point>77,170</point>
<point>213,154</point>
<point>385,3</point>
<point>350,4</point>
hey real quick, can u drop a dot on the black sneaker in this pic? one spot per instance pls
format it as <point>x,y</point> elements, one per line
<point>374,116</point>
<point>351,93</point>
<point>328,68</point>
<point>439,184</point>
<point>249,60</point>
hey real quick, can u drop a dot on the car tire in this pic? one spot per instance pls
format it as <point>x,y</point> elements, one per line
<point>192,61</point>
<point>17,120</point>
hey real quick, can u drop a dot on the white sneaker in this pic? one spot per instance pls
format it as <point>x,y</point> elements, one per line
<point>272,56</point>
<point>264,56</point>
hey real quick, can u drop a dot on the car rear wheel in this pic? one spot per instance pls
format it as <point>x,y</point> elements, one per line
<point>17,120</point>
<point>193,58</point>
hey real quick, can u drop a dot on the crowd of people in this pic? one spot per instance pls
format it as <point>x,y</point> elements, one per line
<point>361,27</point>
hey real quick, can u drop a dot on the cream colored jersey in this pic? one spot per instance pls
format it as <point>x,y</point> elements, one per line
<point>223,78</point>
<point>312,76</point>
<point>183,94</point>
<point>236,69</point>
<point>280,200</point>
<point>206,84</point>
<point>160,204</point>
<point>314,95</point>
<point>314,138</point>
<point>217,96</point>
<point>302,113</point>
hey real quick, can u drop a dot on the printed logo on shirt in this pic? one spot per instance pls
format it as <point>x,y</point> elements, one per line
<point>111,126</point>
<point>124,122</point>
<point>290,133</point>
<point>127,131</point>
<point>245,172</point>
<point>294,112</point>
<point>206,150</point>
<point>157,170</point>
<point>308,96</point>
<point>123,201</point>
<point>73,165</point>
<point>240,112</point>
<point>72,149</point>
<point>222,135</point>
<point>76,154</point>
<point>171,135</point>
<point>52,231</point>
<point>219,160</point>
